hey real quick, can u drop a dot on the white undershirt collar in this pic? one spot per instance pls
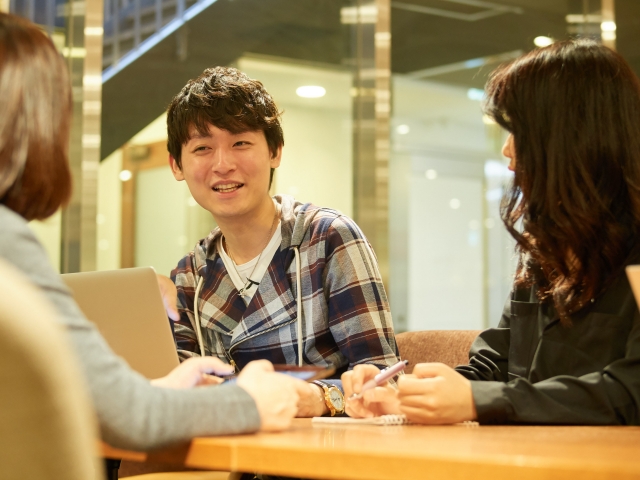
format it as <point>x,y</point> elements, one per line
<point>239,273</point>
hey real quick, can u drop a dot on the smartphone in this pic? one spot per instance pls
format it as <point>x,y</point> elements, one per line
<point>306,372</point>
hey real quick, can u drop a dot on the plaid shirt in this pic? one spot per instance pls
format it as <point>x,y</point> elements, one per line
<point>346,317</point>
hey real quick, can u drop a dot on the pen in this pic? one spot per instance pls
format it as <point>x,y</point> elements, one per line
<point>382,377</point>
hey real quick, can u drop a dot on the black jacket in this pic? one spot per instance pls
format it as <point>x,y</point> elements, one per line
<point>533,369</point>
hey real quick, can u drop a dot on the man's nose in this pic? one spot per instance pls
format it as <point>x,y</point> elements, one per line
<point>223,161</point>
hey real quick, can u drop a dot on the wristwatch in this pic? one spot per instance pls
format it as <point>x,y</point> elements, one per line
<point>333,397</point>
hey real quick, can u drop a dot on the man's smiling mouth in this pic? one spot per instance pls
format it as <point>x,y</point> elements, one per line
<point>228,187</point>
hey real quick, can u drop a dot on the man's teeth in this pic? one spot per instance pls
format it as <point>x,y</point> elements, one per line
<point>227,188</point>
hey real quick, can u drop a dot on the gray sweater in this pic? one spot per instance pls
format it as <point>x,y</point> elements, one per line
<point>131,412</point>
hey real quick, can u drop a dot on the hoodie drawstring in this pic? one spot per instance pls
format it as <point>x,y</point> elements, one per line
<point>196,327</point>
<point>299,304</point>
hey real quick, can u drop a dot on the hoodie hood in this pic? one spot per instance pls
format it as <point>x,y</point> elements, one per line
<point>295,220</point>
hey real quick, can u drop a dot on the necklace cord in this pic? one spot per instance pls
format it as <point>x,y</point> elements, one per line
<point>249,283</point>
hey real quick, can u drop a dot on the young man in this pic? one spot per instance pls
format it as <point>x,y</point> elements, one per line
<point>276,280</point>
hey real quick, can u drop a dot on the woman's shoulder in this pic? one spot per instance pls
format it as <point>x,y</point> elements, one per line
<point>18,244</point>
<point>11,222</point>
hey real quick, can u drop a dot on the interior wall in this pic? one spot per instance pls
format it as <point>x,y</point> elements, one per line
<point>161,220</point>
<point>317,157</point>
<point>109,218</point>
<point>451,260</point>
<point>446,252</point>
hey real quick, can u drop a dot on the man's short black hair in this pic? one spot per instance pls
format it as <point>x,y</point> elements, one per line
<point>225,98</point>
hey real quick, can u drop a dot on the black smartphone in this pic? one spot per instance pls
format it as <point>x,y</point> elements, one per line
<point>306,372</point>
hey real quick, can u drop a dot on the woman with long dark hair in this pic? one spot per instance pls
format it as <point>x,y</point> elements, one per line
<point>35,101</point>
<point>567,349</point>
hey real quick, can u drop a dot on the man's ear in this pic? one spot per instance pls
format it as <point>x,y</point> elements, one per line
<point>275,160</point>
<point>175,168</point>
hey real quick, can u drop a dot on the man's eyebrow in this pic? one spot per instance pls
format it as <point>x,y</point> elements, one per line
<point>197,136</point>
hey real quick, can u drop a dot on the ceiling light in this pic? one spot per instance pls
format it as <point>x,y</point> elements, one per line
<point>125,175</point>
<point>363,14</point>
<point>475,94</point>
<point>578,18</point>
<point>454,203</point>
<point>311,91</point>
<point>97,31</point>
<point>608,26</point>
<point>431,174</point>
<point>542,41</point>
<point>403,129</point>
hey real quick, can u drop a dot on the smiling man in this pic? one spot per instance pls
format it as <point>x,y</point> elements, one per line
<point>277,279</point>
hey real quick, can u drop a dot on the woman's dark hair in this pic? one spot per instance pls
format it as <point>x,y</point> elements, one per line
<point>228,99</point>
<point>574,111</point>
<point>35,101</point>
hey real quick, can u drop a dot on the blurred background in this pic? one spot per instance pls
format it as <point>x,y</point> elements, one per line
<point>382,121</point>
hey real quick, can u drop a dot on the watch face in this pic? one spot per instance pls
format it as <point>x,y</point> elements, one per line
<point>336,399</point>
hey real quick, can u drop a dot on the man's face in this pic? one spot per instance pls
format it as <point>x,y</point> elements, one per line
<point>227,174</point>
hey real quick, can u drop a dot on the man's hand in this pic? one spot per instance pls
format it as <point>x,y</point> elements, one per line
<point>276,395</point>
<point>381,400</point>
<point>194,372</point>
<point>436,394</point>
<point>169,295</point>
<point>311,403</point>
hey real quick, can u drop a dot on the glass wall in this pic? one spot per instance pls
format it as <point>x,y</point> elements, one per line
<point>452,262</point>
<point>396,139</point>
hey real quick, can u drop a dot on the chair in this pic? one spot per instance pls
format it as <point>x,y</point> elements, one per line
<point>48,430</point>
<point>450,347</point>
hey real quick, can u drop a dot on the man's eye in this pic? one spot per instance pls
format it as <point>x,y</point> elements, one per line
<point>198,149</point>
<point>241,143</point>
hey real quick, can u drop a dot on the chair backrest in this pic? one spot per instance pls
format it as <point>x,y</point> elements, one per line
<point>47,427</point>
<point>450,347</point>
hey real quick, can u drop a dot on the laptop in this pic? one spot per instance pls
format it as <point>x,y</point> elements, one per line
<point>127,308</point>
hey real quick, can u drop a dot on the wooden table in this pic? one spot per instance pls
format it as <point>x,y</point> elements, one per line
<point>416,452</point>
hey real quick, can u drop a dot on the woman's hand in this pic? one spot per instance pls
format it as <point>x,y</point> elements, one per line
<point>194,372</point>
<point>436,394</point>
<point>169,295</point>
<point>276,395</point>
<point>381,400</point>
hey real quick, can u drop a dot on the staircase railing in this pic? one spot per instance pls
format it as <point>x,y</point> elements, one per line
<point>133,27</point>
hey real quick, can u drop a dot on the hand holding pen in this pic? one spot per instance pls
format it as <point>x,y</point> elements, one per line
<point>378,397</point>
<point>381,378</point>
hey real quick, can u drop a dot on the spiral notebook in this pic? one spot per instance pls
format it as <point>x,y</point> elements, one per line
<point>382,420</point>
